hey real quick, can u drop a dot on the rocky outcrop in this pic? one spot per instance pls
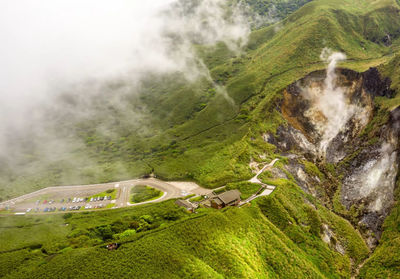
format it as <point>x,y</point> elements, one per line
<point>376,85</point>
<point>370,178</point>
<point>305,108</point>
<point>368,163</point>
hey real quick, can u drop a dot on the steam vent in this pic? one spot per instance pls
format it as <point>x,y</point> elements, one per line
<point>328,115</point>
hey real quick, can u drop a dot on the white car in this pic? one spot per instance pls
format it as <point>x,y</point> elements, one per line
<point>29,210</point>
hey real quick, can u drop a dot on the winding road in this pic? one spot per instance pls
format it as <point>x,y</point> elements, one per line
<point>170,190</point>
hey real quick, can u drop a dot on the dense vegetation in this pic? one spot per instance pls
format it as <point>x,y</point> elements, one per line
<point>262,240</point>
<point>141,193</point>
<point>206,137</point>
<point>276,8</point>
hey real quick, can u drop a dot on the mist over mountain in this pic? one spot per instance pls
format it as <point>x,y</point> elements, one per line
<point>200,138</point>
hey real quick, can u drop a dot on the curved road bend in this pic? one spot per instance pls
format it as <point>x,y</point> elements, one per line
<point>170,189</point>
<point>20,204</point>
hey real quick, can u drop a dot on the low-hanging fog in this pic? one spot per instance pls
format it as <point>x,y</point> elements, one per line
<point>54,48</point>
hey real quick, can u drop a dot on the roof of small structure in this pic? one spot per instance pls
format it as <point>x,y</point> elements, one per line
<point>184,203</point>
<point>229,196</point>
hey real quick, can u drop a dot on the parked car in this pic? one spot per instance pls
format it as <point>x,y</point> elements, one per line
<point>29,210</point>
<point>101,198</point>
<point>91,199</point>
<point>45,201</point>
<point>46,209</point>
<point>62,200</point>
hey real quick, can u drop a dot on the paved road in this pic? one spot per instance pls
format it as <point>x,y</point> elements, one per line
<point>171,190</point>
<point>255,178</point>
<point>266,189</point>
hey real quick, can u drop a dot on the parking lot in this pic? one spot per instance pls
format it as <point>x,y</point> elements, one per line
<point>91,197</point>
<point>54,203</point>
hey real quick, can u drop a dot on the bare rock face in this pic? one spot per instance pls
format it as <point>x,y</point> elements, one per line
<point>289,138</point>
<point>375,85</point>
<point>328,115</point>
<point>326,119</point>
<point>370,179</point>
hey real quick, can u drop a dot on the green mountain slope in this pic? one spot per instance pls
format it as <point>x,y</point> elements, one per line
<point>193,131</point>
<point>191,138</point>
<point>278,238</point>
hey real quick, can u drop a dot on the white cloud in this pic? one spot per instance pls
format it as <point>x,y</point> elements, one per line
<point>49,46</point>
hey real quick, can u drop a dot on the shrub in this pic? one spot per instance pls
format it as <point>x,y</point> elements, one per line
<point>125,234</point>
<point>144,193</point>
<point>67,215</point>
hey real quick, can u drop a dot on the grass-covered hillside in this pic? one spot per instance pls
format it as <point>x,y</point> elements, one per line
<point>184,129</point>
<point>277,237</point>
<point>208,131</point>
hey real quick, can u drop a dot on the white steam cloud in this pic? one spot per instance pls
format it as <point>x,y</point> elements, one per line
<point>332,109</point>
<point>333,102</point>
<point>49,45</point>
<point>55,41</point>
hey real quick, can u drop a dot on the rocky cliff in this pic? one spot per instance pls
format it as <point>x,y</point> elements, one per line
<point>332,122</point>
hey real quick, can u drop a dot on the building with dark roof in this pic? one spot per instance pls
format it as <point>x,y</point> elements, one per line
<point>228,198</point>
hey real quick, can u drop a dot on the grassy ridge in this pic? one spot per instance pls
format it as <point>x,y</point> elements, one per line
<point>233,243</point>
